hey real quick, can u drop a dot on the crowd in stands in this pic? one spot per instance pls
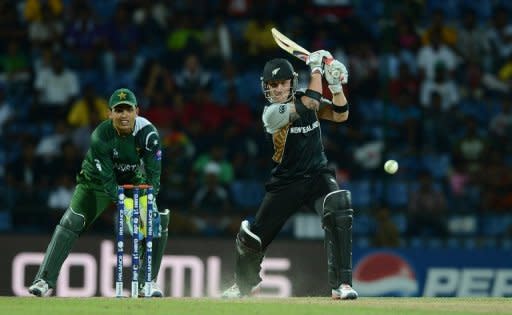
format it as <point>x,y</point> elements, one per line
<point>430,86</point>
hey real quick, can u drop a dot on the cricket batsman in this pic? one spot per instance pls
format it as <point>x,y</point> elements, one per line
<point>125,149</point>
<point>301,176</point>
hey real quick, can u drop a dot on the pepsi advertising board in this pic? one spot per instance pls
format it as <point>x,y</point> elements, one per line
<point>204,267</point>
<point>433,272</point>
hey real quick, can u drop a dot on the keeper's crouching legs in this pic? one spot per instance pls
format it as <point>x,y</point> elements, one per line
<point>71,225</point>
<point>159,245</point>
<point>249,255</point>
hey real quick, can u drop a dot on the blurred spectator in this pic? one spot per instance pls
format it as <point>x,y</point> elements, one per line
<point>212,116</point>
<point>34,9</point>
<point>181,116</point>
<point>6,112</point>
<point>27,179</point>
<point>404,81</point>
<point>258,38</point>
<point>155,79</point>
<point>472,147</point>
<point>65,167</point>
<point>47,29</point>
<point>364,67</point>
<point>403,123</point>
<point>505,70</point>
<point>192,77</point>
<point>176,175</point>
<point>15,65</point>
<point>436,132</point>
<point>238,8</point>
<point>82,35</point>
<point>89,110</point>
<point>160,112</point>
<point>56,89</point>
<point>211,204</point>
<point>228,78</point>
<point>120,40</point>
<point>462,190</point>
<point>60,194</point>
<point>11,26</point>
<point>401,40</point>
<point>217,43</point>
<point>151,20</point>
<point>439,27</point>
<point>443,85</point>
<point>500,126</point>
<point>183,39</point>
<point>49,145</point>
<point>386,232</point>
<point>497,35</point>
<point>496,183</point>
<point>237,112</point>
<point>427,210</point>
<point>216,154</point>
<point>472,44</point>
<point>434,54</point>
<point>67,163</point>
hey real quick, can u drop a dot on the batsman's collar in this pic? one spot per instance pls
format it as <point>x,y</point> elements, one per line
<point>122,96</point>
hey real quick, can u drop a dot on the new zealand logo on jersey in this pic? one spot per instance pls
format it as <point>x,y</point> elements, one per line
<point>305,129</point>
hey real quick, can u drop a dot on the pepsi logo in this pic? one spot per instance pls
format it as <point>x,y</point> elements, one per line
<point>384,274</point>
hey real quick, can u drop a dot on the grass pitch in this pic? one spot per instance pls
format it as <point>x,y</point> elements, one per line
<point>260,306</point>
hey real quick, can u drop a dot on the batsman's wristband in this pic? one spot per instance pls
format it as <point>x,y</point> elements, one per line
<point>317,96</point>
<point>340,109</point>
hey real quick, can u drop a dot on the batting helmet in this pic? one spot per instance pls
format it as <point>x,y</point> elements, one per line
<point>276,70</point>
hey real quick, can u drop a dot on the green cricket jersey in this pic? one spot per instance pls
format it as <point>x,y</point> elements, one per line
<point>113,159</point>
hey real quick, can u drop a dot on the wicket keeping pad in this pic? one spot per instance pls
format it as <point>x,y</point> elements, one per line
<point>128,218</point>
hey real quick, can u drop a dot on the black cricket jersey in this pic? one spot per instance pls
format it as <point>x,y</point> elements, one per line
<point>298,147</point>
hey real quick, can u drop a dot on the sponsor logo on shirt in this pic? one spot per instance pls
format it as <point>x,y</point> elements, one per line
<point>123,167</point>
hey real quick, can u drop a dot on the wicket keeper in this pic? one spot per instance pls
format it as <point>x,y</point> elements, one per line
<point>125,149</point>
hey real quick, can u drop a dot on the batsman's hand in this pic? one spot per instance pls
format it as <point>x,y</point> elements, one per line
<point>316,60</point>
<point>336,74</point>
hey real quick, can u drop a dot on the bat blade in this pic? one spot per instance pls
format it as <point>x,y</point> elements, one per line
<point>293,48</point>
<point>290,46</point>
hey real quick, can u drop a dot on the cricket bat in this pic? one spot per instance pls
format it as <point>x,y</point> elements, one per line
<point>292,47</point>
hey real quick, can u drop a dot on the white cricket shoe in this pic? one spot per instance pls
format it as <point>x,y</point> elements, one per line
<point>344,292</point>
<point>39,288</point>
<point>234,292</point>
<point>154,290</point>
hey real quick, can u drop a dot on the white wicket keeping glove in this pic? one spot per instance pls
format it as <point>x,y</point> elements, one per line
<point>128,211</point>
<point>336,74</point>
<point>316,60</point>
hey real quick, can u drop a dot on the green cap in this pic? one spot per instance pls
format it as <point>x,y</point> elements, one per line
<point>122,96</point>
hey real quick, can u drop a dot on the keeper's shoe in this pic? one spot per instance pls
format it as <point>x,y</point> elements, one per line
<point>39,288</point>
<point>154,290</point>
<point>234,292</point>
<point>344,292</point>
